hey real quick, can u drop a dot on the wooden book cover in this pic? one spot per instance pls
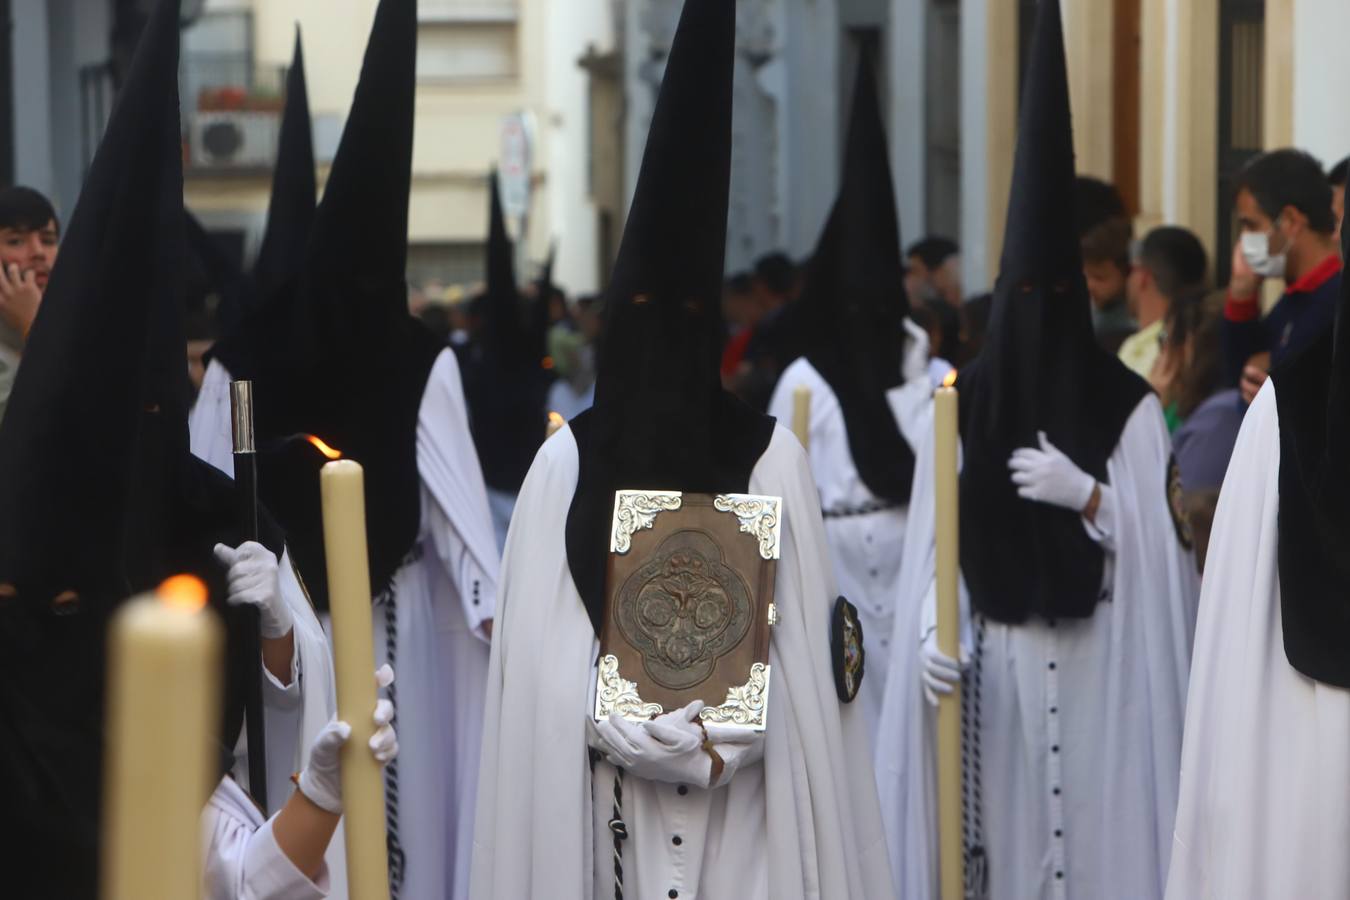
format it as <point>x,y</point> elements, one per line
<point>688,606</point>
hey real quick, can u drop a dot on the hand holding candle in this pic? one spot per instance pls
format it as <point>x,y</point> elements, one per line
<point>945,408</point>
<point>342,485</point>
<point>165,660</point>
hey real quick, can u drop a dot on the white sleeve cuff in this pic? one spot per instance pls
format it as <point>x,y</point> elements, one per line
<point>268,872</point>
<point>928,618</point>
<point>737,752</point>
<point>1103,528</point>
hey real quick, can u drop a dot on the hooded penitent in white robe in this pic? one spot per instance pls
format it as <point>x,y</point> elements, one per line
<point>1264,810</point>
<point>1080,719</point>
<point>866,534</point>
<point>295,713</point>
<point>241,858</point>
<point>801,823</point>
<point>441,598</point>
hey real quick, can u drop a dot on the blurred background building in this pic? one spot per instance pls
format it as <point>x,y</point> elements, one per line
<point>1170,98</point>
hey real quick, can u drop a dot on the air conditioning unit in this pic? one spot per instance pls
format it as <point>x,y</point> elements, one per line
<point>234,139</point>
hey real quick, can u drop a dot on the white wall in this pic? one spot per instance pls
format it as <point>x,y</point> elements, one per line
<point>977,270</point>
<point>32,101</point>
<point>908,138</point>
<point>809,121</point>
<point>1322,78</point>
<point>570,28</point>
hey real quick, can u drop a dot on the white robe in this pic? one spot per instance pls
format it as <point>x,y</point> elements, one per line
<point>443,596</point>
<point>1264,810</point>
<point>242,860</point>
<point>1081,719</point>
<point>803,823</point>
<point>865,548</point>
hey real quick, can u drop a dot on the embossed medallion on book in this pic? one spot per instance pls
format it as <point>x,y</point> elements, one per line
<point>688,606</point>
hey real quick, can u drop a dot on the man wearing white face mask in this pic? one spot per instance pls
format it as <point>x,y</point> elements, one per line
<point>1283,206</point>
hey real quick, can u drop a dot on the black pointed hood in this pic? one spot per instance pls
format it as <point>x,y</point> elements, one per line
<point>849,322</point>
<point>661,419</point>
<point>341,357</point>
<point>539,319</point>
<point>504,334</point>
<point>100,497</point>
<point>1040,369</point>
<point>1312,393</point>
<point>290,215</point>
<point>290,218</point>
<point>505,384</point>
<point>100,356</point>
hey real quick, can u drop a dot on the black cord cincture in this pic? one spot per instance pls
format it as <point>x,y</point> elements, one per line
<point>972,799</point>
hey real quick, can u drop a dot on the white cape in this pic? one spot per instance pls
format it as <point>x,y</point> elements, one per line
<point>443,599</point>
<point>1090,707</point>
<point>1264,810</point>
<point>865,548</point>
<point>535,835</point>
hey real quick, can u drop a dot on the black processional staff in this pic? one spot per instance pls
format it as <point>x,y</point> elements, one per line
<point>246,480</point>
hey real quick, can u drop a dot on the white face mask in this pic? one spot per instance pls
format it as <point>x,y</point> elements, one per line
<point>1256,250</point>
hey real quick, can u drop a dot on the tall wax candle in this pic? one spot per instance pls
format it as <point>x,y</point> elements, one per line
<point>342,485</point>
<point>165,660</point>
<point>801,415</point>
<point>945,404</point>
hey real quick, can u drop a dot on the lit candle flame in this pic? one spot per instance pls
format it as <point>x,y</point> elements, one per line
<point>950,380</point>
<point>183,592</point>
<point>323,448</point>
<point>555,423</point>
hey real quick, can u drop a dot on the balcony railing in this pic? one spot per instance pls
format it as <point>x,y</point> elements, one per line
<point>469,10</point>
<point>231,113</point>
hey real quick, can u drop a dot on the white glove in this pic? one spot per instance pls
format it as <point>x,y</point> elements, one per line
<point>941,673</point>
<point>254,582</point>
<point>1048,476</point>
<point>668,748</point>
<point>321,782</point>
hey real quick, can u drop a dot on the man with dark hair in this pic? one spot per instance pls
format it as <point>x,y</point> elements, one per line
<point>933,270</point>
<point>775,279</point>
<point>1095,202</point>
<point>1283,206</point>
<point>742,314</point>
<point>1336,178</point>
<point>1169,264</point>
<point>775,283</point>
<point>29,234</point>
<point>1105,233</point>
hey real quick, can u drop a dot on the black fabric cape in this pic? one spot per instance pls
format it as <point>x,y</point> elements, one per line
<point>1040,370</point>
<point>1312,394</point>
<point>661,419</point>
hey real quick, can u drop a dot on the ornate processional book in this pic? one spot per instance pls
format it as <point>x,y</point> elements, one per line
<point>688,606</point>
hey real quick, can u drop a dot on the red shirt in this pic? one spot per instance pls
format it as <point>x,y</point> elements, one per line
<point>734,352</point>
<point>1246,310</point>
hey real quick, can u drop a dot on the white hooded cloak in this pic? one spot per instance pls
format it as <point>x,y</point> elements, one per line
<point>803,823</point>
